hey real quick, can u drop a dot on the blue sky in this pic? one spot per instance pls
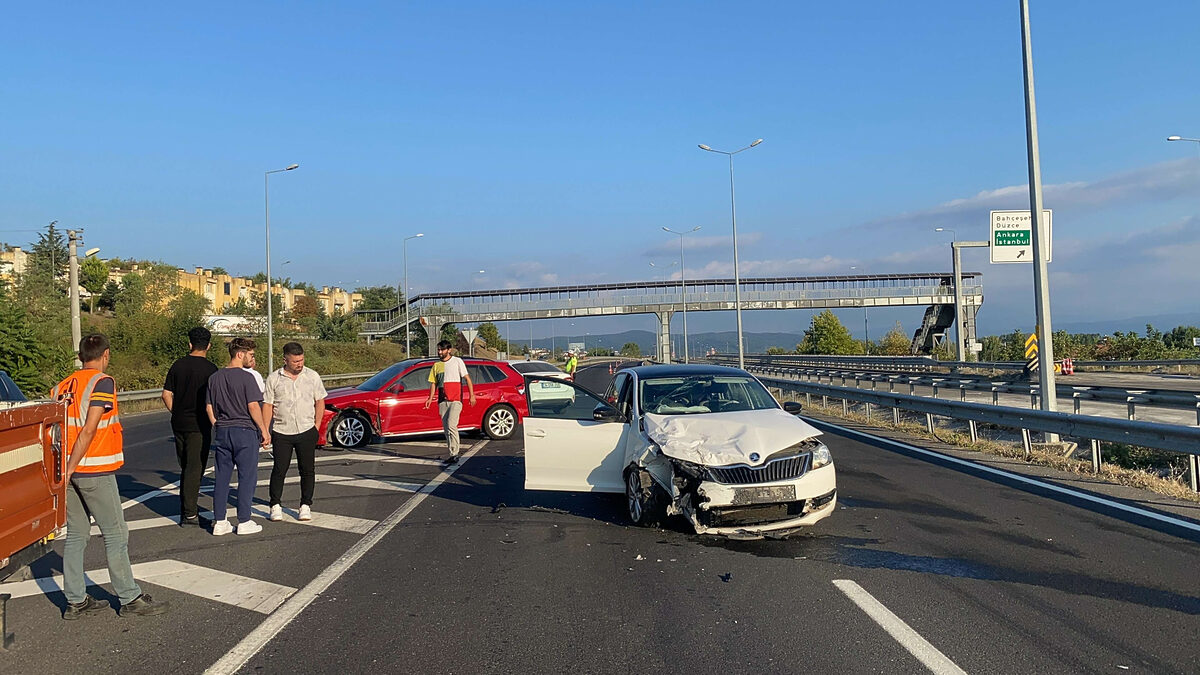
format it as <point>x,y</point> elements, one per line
<point>548,142</point>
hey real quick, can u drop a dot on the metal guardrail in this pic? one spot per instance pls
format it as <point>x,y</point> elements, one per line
<point>1132,398</point>
<point>930,364</point>
<point>151,394</point>
<point>1168,437</point>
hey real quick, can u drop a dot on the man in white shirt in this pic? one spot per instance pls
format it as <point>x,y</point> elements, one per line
<point>294,402</point>
<point>445,382</point>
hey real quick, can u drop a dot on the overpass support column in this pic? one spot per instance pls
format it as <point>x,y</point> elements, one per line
<point>433,331</point>
<point>969,311</point>
<point>664,336</point>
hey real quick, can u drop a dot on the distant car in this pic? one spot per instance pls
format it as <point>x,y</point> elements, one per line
<point>9,390</point>
<point>392,404</point>
<point>553,393</point>
<point>708,443</point>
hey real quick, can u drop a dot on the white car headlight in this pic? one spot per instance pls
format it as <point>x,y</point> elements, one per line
<point>821,456</point>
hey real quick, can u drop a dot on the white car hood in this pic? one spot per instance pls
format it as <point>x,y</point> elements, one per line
<point>721,439</point>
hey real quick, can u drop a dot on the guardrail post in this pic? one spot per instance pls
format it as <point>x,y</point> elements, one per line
<point>1130,403</point>
<point>1027,443</point>
<point>845,406</point>
<point>912,388</point>
<point>1077,399</point>
<point>1194,471</point>
<point>808,399</point>
<point>824,401</point>
<point>1033,399</point>
<point>995,396</point>
<point>935,389</point>
<point>962,393</point>
<point>1198,413</point>
<point>974,431</point>
<point>895,417</point>
<point>929,422</point>
<point>868,404</point>
<point>1096,456</point>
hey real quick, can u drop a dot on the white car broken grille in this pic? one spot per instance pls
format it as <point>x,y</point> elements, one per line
<point>787,468</point>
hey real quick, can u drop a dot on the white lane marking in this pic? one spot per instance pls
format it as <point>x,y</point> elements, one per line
<point>1177,522</point>
<point>231,589</point>
<point>250,645</point>
<point>328,521</point>
<point>173,488</point>
<point>908,638</point>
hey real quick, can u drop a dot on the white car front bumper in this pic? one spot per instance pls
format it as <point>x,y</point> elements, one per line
<point>751,511</point>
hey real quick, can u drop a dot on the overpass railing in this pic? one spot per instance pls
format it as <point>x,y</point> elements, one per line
<point>1094,430</point>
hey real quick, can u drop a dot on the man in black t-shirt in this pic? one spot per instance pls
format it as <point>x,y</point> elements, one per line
<point>184,394</point>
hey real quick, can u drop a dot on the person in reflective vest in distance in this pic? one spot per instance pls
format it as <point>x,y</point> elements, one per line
<point>572,365</point>
<point>94,443</point>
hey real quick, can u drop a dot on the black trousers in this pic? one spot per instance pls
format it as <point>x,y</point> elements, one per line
<point>304,445</point>
<point>192,449</point>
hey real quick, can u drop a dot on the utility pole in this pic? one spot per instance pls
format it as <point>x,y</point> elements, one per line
<point>73,281</point>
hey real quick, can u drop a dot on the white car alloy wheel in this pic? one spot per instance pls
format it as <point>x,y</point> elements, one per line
<point>350,431</point>
<point>500,422</point>
<point>633,495</point>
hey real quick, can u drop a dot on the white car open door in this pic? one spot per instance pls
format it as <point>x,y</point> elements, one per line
<point>576,448</point>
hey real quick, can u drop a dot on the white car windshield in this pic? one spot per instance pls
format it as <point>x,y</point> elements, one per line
<point>696,394</point>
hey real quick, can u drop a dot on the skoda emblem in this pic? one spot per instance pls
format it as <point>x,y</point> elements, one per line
<point>754,457</point>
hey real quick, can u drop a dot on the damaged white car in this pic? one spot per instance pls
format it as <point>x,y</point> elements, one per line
<point>708,443</point>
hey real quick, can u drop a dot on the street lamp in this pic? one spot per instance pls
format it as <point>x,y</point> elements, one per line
<point>866,332</point>
<point>737,280</point>
<point>683,287</point>
<point>267,211</point>
<point>953,234</point>
<point>407,319</point>
<point>73,238</point>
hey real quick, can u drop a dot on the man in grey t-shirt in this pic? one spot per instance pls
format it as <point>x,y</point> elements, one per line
<point>235,408</point>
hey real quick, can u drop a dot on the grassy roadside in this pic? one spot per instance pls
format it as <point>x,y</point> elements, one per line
<point>1143,468</point>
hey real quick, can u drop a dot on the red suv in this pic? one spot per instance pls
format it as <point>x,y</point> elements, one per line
<point>392,403</point>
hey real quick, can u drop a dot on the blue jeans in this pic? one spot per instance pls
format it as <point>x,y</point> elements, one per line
<point>235,446</point>
<point>96,496</point>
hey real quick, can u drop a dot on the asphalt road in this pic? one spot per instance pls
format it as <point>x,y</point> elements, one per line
<point>972,570</point>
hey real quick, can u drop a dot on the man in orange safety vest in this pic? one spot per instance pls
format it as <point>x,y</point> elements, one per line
<point>94,441</point>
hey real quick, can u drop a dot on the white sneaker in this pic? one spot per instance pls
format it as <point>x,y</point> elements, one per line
<point>222,527</point>
<point>277,513</point>
<point>305,512</point>
<point>249,527</point>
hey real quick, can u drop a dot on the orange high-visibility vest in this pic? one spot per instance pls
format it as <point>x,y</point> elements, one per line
<point>104,454</point>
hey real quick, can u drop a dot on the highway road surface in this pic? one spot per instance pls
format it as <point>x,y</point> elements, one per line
<point>931,563</point>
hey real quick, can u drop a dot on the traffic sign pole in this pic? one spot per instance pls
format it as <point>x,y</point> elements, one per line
<point>1041,289</point>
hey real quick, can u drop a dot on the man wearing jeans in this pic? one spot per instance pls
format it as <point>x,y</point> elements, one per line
<point>239,430</point>
<point>294,401</point>
<point>95,443</point>
<point>445,382</point>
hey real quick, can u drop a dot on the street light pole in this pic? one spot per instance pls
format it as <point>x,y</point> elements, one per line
<point>73,281</point>
<point>1041,287</point>
<point>407,319</point>
<point>683,286</point>
<point>737,280</point>
<point>866,330</point>
<point>270,311</point>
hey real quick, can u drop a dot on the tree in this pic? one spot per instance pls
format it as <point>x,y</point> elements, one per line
<point>305,307</point>
<point>827,335</point>
<point>93,275</point>
<point>377,297</point>
<point>219,271</point>
<point>338,328</point>
<point>48,255</point>
<point>449,333</point>
<point>631,349</point>
<point>775,351</point>
<point>108,296</point>
<point>895,342</point>
<point>1180,337</point>
<point>490,334</point>
<point>21,353</point>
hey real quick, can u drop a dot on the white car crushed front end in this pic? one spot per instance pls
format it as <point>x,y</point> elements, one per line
<point>740,474</point>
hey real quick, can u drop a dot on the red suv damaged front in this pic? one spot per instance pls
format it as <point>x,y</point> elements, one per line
<point>392,403</point>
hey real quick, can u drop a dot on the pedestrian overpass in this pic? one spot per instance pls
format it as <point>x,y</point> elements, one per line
<point>933,290</point>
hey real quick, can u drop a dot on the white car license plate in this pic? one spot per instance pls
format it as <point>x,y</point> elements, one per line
<point>771,494</point>
<point>550,385</point>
